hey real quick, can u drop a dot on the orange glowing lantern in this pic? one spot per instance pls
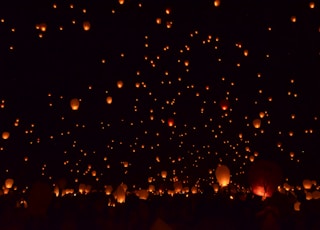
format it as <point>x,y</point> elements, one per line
<point>9,183</point>
<point>5,135</point>
<point>109,100</point>
<point>223,175</point>
<point>86,26</point>
<point>170,122</point>
<point>108,189</point>
<point>74,104</point>
<point>119,84</point>
<point>307,184</point>
<point>224,104</point>
<point>164,174</point>
<point>264,177</point>
<point>256,123</point>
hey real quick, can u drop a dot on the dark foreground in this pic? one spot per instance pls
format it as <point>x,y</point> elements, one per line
<point>95,211</point>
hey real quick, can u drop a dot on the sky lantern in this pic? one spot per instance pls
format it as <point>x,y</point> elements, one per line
<point>5,135</point>
<point>143,194</point>
<point>109,100</point>
<point>121,2</point>
<point>256,123</point>
<point>224,104</point>
<point>307,184</point>
<point>215,188</point>
<point>120,194</point>
<point>164,174</point>
<point>216,3</point>
<point>119,84</point>
<point>261,115</point>
<point>74,103</point>
<point>177,185</point>
<point>264,177</point>
<point>223,175</point>
<point>108,189</point>
<point>86,25</point>
<point>9,183</point>
<point>170,122</point>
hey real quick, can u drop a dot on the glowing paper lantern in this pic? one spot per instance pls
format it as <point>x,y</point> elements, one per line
<point>316,195</point>
<point>224,104</point>
<point>109,100</point>
<point>170,122</point>
<point>223,175</point>
<point>119,84</point>
<point>256,123</point>
<point>261,115</point>
<point>215,188</point>
<point>108,189</point>
<point>264,177</point>
<point>142,194</point>
<point>9,183</point>
<point>86,25</point>
<point>164,174</point>
<point>74,104</point>
<point>307,184</point>
<point>120,194</point>
<point>5,135</point>
<point>177,186</point>
<point>296,206</point>
<point>121,2</point>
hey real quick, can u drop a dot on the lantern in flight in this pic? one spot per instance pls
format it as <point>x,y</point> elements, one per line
<point>170,122</point>
<point>223,175</point>
<point>264,177</point>
<point>86,25</point>
<point>224,104</point>
<point>74,104</point>
<point>9,183</point>
<point>119,84</point>
<point>5,135</point>
<point>256,123</point>
<point>109,100</point>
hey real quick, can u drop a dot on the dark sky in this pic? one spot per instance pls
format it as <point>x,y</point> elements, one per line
<point>180,73</point>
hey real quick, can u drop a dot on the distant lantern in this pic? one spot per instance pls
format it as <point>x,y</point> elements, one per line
<point>121,2</point>
<point>194,190</point>
<point>264,177</point>
<point>297,206</point>
<point>74,103</point>
<point>261,115</point>
<point>311,5</point>
<point>223,175</point>
<point>256,123</point>
<point>164,174</point>
<point>224,104</point>
<point>119,84</point>
<point>177,187</point>
<point>86,25</point>
<point>309,196</point>
<point>170,122</point>
<point>307,184</point>
<point>215,188</point>
<point>108,189</point>
<point>109,100</point>
<point>5,135</point>
<point>245,53</point>
<point>143,194</point>
<point>151,188</point>
<point>42,27</point>
<point>316,195</point>
<point>120,194</point>
<point>216,3</point>
<point>9,183</point>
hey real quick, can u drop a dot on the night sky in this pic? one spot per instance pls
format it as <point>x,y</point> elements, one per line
<point>168,66</point>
